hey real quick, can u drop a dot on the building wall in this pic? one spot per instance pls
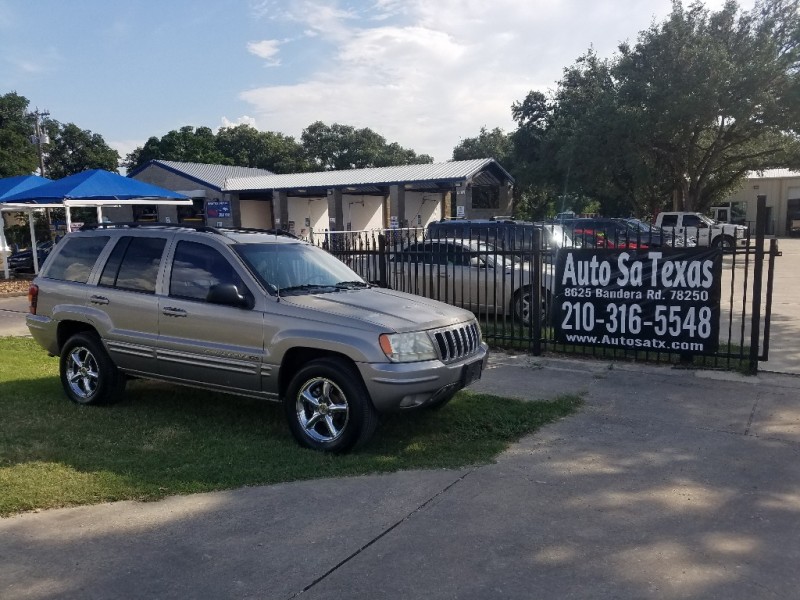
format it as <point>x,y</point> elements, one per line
<point>362,212</point>
<point>778,190</point>
<point>256,214</point>
<point>307,215</point>
<point>422,208</point>
<point>177,183</point>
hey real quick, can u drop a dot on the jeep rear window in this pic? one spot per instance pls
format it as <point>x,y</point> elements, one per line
<point>76,258</point>
<point>134,263</point>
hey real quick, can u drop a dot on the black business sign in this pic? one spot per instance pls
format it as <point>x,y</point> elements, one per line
<point>665,300</point>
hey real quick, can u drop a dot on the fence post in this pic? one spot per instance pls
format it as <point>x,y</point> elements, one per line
<point>758,270</point>
<point>383,279</point>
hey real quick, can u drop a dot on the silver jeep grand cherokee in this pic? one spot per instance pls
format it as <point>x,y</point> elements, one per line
<point>247,312</point>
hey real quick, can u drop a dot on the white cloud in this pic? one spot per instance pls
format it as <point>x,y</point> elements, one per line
<point>266,49</point>
<point>243,120</point>
<point>125,147</point>
<point>427,73</point>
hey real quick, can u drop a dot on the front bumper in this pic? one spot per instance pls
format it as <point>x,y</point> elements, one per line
<point>396,386</point>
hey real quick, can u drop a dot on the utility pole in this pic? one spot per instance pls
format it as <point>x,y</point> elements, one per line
<point>40,137</point>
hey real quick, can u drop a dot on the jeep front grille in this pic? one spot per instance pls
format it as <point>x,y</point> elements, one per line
<point>458,341</point>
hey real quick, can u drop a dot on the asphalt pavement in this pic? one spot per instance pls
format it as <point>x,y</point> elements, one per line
<point>666,484</point>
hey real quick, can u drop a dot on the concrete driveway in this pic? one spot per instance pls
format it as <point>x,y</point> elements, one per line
<point>784,351</point>
<point>12,316</point>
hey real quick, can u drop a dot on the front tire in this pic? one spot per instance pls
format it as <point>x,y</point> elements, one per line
<point>725,242</point>
<point>88,374</point>
<point>328,407</point>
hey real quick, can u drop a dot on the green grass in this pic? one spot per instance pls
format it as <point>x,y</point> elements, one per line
<point>162,440</point>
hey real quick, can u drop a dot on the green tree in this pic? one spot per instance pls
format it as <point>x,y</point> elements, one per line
<point>73,150</point>
<point>337,146</point>
<point>17,155</point>
<point>245,146</point>
<point>712,94</point>
<point>681,116</point>
<point>494,144</point>
<point>186,144</point>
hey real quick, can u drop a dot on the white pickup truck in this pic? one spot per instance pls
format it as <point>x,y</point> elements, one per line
<point>705,231</point>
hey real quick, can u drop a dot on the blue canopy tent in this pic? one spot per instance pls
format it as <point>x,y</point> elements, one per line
<point>97,188</point>
<point>20,183</point>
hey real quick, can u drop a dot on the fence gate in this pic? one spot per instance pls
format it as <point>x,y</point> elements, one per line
<point>716,315</point>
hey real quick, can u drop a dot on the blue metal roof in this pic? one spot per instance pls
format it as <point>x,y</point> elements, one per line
<point>449,172</point>
<point>213,176</point>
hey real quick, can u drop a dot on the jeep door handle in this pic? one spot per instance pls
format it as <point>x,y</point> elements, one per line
<point>174,312</point>
<point>98,300</point>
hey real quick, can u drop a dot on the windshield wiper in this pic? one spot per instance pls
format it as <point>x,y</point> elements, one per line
<point>352,285</point>
<point>305,287</point>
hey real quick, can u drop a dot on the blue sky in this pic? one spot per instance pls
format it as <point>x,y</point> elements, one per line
<point>423,73</point>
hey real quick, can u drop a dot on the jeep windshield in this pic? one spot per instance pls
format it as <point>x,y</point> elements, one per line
<point>294,269</point>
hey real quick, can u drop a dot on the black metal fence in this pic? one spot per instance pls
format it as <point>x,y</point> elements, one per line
<point>504,272</point>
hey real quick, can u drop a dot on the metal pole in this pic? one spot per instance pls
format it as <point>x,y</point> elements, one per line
<point>758,270</point>
<point>4,249</point>
<point>38,115</point>
<point>34,254</point>
<point>773,252</point>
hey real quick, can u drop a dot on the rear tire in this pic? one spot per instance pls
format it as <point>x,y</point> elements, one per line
<point>328,407</point>
<point>88,374</point>
<point>521,305</point>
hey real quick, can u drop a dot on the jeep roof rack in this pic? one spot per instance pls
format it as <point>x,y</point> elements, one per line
<point>200,228</point>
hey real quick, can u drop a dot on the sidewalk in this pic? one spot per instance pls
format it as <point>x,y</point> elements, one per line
<point>666,484</point>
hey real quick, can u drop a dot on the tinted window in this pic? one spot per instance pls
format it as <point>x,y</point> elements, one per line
<point>76,259</point>
<point>109,276</point>
<point>196,268</point>
<point>133,264</point>
<point>458,255</point>
<point>692,221</point>
<point>669,220</point>
<point>415,253</point>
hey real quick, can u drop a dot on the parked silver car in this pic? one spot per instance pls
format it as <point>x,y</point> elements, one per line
<point>474,275</point>
<point>253,313</point>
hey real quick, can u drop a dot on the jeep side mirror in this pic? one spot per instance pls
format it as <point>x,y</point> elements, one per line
<point>476,261</point>
<point>228,294</point>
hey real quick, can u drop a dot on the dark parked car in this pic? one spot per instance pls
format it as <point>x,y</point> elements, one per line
<point>519,236</point>
<point>22,261</point>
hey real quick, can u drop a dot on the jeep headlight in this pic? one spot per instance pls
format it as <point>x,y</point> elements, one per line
<point>407,347</point>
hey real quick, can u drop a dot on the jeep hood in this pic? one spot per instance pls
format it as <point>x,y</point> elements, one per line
<point>390,309</point>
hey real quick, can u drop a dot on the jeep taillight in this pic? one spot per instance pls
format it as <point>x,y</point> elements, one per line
<point>33,298</point>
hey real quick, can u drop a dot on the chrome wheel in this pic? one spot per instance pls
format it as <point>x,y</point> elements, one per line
<point>522,306</point>
<point>88,375</point>
<point>322,410</point>
<point>328,407</point>
<point>82,373</point>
